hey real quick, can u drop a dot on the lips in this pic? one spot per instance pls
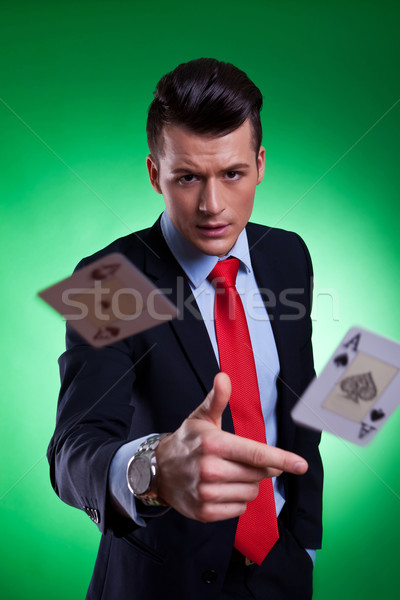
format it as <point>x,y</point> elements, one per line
<point>213,229</point>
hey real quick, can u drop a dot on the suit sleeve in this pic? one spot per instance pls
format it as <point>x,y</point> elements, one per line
<point>93,420</point>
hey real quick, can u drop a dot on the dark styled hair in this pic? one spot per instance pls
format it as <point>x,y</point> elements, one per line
<point>205,96</point>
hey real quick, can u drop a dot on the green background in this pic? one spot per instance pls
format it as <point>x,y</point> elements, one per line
<point>76,80</point>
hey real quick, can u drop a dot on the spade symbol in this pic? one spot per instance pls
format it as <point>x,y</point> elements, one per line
<point>113,330</point>
<point>341,360</point>
<point>377,414</point>
<point>359,387</point>
<point>105,271</point>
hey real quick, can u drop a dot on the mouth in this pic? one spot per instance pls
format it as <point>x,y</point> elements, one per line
<point>213,229</point>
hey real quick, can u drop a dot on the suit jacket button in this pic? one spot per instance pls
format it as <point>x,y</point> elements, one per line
<point>93,513</point>
<point>209,576</point>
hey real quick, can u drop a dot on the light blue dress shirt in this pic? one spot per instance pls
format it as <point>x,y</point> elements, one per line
<point>197,267</point>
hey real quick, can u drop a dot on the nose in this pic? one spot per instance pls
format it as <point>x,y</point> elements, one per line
<point>211,200</point>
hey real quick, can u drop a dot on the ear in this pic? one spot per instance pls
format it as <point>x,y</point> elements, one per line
<point>153,173</point>
<point>261,164</point>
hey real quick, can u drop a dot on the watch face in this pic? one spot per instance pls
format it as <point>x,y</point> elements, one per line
<point>139,475</point>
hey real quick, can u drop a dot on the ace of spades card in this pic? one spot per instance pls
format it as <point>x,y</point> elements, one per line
<point>357,391</point>
<point>109,300</point>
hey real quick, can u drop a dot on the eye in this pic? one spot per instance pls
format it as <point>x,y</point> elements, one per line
<point>233,175</point>
<point>185,179</point>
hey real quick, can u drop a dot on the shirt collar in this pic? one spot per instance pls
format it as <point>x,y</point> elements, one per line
<point>195,263</point>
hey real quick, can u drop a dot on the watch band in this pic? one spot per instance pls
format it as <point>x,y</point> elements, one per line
<point>151,443</point>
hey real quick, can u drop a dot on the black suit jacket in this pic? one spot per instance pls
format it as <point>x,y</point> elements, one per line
<point>151,382</point>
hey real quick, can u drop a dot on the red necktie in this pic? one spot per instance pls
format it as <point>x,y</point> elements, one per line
<point>257,529</point>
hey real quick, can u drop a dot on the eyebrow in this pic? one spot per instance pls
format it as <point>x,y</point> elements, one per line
<point>230,168</point>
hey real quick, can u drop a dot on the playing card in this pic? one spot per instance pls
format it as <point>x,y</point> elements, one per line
<point>109,300</point>
<point>358,389</point>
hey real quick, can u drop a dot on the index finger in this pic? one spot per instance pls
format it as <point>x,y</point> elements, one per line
<point>256,454</point>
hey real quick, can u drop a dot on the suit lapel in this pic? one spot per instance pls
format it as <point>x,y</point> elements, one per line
<point>267,272</point>
<point>189,328</point>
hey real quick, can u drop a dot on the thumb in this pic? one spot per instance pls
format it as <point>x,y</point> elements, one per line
<point>215,402</point>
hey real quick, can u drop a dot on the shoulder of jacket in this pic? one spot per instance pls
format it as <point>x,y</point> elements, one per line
<point>267,235</point>
<point>132,245</point>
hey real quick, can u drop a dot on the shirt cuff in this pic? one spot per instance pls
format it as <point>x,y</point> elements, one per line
<point>121,496</point>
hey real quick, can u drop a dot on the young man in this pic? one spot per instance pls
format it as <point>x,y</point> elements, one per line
<point>201,510</point>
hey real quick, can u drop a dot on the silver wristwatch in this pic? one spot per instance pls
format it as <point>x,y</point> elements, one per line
<point>142,470</point>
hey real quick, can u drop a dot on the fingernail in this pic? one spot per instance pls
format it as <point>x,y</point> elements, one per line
<point>299,467</point>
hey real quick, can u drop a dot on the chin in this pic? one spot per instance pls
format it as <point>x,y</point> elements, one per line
<point>215,249</point>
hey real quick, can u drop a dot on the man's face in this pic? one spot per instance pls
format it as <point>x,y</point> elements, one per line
<point>208,184</point>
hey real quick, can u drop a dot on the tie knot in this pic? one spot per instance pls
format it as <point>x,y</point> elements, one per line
<point>224,273</point>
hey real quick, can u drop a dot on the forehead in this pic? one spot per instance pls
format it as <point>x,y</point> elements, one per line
<point>182,147</point>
